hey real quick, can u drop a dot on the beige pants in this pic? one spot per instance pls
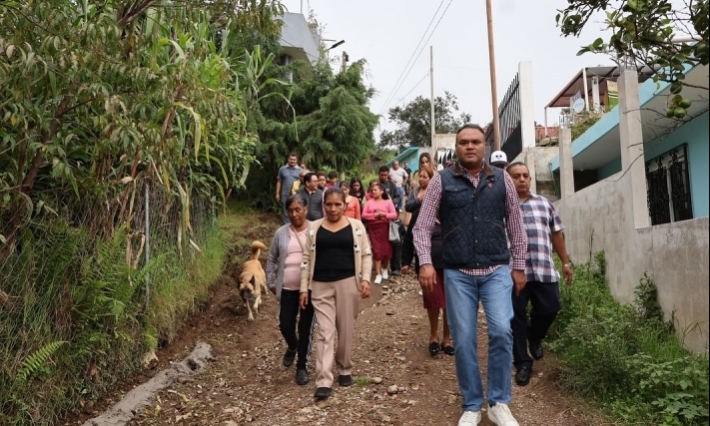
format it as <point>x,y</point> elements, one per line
<point>336,307</point>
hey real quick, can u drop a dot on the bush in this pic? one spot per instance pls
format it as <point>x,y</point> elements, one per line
<point>626,357</point>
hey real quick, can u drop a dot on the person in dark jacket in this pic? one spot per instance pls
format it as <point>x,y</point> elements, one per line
<point>434,301</point>
<point>313,196</point>
<point>389,187</point>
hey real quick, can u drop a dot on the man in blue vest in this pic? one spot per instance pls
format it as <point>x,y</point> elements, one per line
<point>475,204</point>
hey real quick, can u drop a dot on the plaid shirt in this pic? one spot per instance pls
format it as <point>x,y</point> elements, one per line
<point>541,220</point>
<point>514,223</point>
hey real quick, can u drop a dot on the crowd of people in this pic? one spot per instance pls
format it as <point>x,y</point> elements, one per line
<point>473,233</point>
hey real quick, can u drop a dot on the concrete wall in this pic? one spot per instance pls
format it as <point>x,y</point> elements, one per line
<point>675,255</point>
<point>542,176</point>
<point>444,140</point>
<point>297,38</point>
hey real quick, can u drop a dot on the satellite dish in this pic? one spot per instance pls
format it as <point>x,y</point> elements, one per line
<point>578,105</point>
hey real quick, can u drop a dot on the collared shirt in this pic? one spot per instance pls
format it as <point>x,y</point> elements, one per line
<point>541,220</point>
<point>514,222</point>
<point>288,175</point>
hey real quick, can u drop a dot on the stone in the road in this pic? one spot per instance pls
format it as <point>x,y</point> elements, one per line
<point>377,380</point>
<point>392,389</point>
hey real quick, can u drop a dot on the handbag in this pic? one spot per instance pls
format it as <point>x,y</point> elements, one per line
<point>394,232</point>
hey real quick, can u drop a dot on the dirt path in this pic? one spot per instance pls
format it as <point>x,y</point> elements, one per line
<point>247,385</point>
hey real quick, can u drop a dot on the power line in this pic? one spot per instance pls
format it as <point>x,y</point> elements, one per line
<point>398,83</point>
<point>420,52</point>
<point>317,58</point>
<point>427,40</point>
<point>408,93</point>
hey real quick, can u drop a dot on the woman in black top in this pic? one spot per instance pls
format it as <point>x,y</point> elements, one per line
<point>337,265</point>
<point>435,300</point>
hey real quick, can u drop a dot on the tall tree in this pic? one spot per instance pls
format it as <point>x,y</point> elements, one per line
<point>643,31</point>
<point>414,121</point>
<point>333,125</point>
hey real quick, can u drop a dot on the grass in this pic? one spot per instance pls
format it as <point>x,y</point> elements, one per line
<point>83,323</point>
<point>361,381</point>
<point>625,358</point>
<point>177,290</point>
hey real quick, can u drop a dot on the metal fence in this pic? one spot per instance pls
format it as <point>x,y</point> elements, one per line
<point>75,290</point>
<point>509,113</point>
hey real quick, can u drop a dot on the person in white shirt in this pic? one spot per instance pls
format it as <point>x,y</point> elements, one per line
<point>399,176</point>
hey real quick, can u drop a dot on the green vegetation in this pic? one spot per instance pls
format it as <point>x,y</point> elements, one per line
<point>119,114</point>
<point>626,357</point>
<point>81,323</point>
<point>414,121</point>
<point>582,122</point>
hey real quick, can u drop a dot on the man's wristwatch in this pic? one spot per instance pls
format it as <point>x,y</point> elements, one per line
<point>566,265</point>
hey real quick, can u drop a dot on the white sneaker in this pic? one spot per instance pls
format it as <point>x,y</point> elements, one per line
<point>378,279</point>
<point>500,415</point>
<point>470,418</point>
<point>385,274</point>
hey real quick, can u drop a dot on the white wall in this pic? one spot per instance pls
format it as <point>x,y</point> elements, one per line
<point>675,256</point>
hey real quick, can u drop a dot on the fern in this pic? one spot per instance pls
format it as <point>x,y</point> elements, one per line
<point>37,360</point>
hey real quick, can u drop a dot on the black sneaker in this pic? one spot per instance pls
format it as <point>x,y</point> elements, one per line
<point>536,349</point>
<point>522,376</point>
<point>302,376</point>
<point>323,393</point>
<point>345,380</point>
<point>289,357</point>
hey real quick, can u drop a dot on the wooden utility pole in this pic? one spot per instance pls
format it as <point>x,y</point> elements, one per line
<point>433,109</point>
<point>492,64</point>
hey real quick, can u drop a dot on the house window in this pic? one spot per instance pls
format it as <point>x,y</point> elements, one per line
<point>668,187</point>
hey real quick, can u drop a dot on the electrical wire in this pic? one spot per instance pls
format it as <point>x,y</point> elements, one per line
<point>422,49</point>
<point>399,82</point>
<point>410,92</point>
<point>300,48</point>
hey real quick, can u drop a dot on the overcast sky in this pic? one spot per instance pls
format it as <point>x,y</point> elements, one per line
<point>386,32</point>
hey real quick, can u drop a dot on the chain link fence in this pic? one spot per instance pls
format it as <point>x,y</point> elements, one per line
<point>88,287</point>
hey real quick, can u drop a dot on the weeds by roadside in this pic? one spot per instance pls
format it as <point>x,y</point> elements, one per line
<point>86,319</point>
<point>626,357</point>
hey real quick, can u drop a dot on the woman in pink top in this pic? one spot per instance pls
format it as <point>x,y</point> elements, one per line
<point>378,212</point>
<point>352,204</point>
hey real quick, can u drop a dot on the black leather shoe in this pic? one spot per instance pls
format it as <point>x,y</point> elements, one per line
<point>302,376</point>
<point>536,349</point>
<point>522,376</point>
<point>289,357</point>
<point>345,380</point>
<point>323,393</point>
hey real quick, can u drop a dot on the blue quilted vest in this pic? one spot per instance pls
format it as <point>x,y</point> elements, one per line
<point>473,219</point>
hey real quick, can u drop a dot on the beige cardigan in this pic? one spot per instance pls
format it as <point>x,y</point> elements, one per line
<point>361,250</point>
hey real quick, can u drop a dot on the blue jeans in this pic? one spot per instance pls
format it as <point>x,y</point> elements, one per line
<point>462,295</point>
<point>400,200</point>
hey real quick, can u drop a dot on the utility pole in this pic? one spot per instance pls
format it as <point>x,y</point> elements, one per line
<point>301,7</point>
<point>344,62</point>
<point>433,109</point>
<point>492,64</point>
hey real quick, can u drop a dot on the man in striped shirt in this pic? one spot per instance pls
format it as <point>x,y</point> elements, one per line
<point>544,230</point>
<point>476,204</point>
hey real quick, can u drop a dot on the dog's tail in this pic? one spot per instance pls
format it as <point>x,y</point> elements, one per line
<point>256,248</point>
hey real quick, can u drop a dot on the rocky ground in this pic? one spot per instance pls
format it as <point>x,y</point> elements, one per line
<point>397,382</point>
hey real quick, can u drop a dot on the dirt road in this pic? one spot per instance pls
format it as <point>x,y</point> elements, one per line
<point>247,385</point>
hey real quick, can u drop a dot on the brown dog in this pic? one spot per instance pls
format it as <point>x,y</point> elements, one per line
<point>252,280</point>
